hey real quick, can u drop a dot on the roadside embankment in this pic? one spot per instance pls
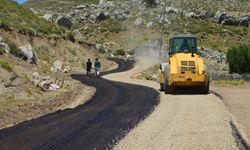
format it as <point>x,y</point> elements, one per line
<point>237,101</point>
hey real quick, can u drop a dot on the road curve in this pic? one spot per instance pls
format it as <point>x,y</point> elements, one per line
<point>182,121</point>
<point>104,120</point>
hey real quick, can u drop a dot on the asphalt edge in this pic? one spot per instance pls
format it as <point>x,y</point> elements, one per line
<point>240,137</point>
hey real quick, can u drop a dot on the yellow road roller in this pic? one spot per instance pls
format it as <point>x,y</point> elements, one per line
<point>185,67</point>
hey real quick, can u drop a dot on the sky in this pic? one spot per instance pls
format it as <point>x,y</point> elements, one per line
<point>21,1</point>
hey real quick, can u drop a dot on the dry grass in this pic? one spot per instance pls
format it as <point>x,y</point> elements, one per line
<point>229,82</point>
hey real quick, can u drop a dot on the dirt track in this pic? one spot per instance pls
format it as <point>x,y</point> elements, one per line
<point>180,122</point>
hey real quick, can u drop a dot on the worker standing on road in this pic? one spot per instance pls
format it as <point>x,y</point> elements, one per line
<point>97,68</point>
<point>89,67</point>
<point>125,57</point>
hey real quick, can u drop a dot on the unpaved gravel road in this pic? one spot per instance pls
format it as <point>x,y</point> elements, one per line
<point>179,122</point>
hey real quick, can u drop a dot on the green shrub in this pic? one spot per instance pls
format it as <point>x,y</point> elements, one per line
<point>147,76</point>
<point>120,52</point>
<point>46,68</point>
<point>1,51</point>
<point>70,36</point>
<point>102,50</point>
<point>43,53</point>
<point>112,26</point>
<point>5,26</point>
<point>5,65</point>
<point>150,3</point>
<point>229,82</point>
<point>238,58</point>
<point>157,66</point>
<point>14,49</point>
<point>72,51</point>
<point>84,66</point>
<point>131,52</point>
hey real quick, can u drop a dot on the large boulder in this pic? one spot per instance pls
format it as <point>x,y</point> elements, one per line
<point>244,22</point>
<point>48,17</point>
<point>81,7</point>
<point>102,4</point>
<point>150,24</point>
<point>5,47</point>
<point>225,18</point>
<point>45,83</point>
<point>172,10</point>
<point>120,15</point>
<point>77,34</point>
<point>66,69</point>
<point>220,16</point>
<point>63,21</point>
<point>92,18</point>
<point>98,46</point>
<point>203,15</point>
<point>138,22</point>
<point>190,14</point>
<point>28,53</point>
<point>214,59</point>
<point>57,66</point>
<point>35,78</point>
<point>230,21</point>
<point>102,16</point>
<point>162,19</point>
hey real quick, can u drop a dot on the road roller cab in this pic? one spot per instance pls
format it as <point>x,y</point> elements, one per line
<point>186,67</point>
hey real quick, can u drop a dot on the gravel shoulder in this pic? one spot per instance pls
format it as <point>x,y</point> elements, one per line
<point>179,121</point>
<point>237,101</point>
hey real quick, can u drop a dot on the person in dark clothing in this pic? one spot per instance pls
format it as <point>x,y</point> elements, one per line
<point>89,67</point>
<point>185,46</point>
<point>97,67</point>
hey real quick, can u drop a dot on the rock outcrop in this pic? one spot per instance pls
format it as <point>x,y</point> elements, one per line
<point>138,22</point>
<point>63,21</point>
<point>28,53</point>
<point>102,16</point>
<point>57,66</point>
<point>244,21</point>
<point>225,18</point>
<point>4,46</point>
<point>48,17</point>
<point>215,60</point>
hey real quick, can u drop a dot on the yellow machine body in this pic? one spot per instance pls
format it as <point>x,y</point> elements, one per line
<point>186,70</point>
<point>185,67</point>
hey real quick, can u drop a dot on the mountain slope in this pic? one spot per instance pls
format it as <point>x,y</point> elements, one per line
<point>15,17</point>
<point>212,5</point>
<point>56,3</point>
<point>123,14</point>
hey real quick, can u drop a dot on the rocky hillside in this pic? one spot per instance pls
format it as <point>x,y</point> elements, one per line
<point>220,24</point>
<point>15,17</point>
<point>37,58</point>
<point>126,24</point>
